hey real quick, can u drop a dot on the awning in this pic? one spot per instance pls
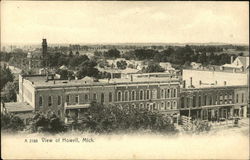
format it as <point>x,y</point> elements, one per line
<point>77,106</point>
<point>16,107</point>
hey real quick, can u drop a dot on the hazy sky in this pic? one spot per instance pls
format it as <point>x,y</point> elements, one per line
<point>111,22</point>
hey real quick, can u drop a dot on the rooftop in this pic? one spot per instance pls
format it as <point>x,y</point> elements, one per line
<point>18,107</point>
<point>40,81</point>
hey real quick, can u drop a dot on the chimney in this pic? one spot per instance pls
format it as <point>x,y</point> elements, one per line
<point>225,83</point>
<point>232,59</point>
<point>200,82</point>
<point>191,81</point>
<point>215,82</point>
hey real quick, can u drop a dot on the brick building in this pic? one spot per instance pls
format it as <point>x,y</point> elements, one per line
<point>72,97</point>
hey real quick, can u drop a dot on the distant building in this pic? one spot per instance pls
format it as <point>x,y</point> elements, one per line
<point>239,64</point>
<point>196,65</point>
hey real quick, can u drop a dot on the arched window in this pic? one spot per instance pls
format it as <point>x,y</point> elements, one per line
<point>169,93</point>
<point>154,94</point>
<point>169,105</point>
<point>40,101</point>
<point>126,96</point>
<point>148,106</point>
<point>133,95</point>
<point>174,106</point>
<point>148,94</point>
<point>50,101</point>
<point>141,94</point>
<point>162,105</point>
<point>174,92</point>
<point>162,93</point>
<point>154,106</point>
<point>119,96</point>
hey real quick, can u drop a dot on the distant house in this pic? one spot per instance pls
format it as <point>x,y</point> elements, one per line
<point>240,63</point>
<point>167,66</point>
<point>196,65</point>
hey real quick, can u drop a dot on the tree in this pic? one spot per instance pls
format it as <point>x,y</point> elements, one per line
<point>121,64</point>
<point>9,92</point>
<point>112,53</point>
<point>65,74</point>
<point>153,67</point>
<point>105,119</point>
<point>6,76</point>
<point>11,122</point>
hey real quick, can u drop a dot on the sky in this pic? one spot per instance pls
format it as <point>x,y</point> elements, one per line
<point>124,22</point>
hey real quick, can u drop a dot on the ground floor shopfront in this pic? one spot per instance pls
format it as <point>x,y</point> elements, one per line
<point>216,113</point>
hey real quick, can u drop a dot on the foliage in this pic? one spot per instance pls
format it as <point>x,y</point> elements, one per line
<point>65,74</point>
<point>106,119</point>
<point>87,68</point>
<point>112,53</point>
<point>121,64</point>
<point>49,123</point>
<point>11,122</point>
<point>9,92</point>
<point>153,67</point>
<point>5,76</point>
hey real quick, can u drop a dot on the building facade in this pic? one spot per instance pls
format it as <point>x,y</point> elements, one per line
<point>73,97</point>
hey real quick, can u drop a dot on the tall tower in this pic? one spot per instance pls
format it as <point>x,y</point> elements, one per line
<point>45,53</point>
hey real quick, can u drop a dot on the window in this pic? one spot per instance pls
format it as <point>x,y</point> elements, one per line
<point>154,94</point>
<point>94,96</point>
<point>154,106</point>
<point>242,98</point>
<point>141,94</point>
<point>194,101</point>
<point>199,101</point>
<point>148,94</point>
<point>102,97</point>
<point>40,101</point>
<point>162,105</point>
<point>50,101</point>
<point>169,104</point>
<point>188,102</point>
<point>182,102</point>
<point>174,93</point>
<point>133,96</point>
<point>168,94</point>
<point>162,94</point>
<point>221,99</point>
<point>133,105</point>
<point>141,106</point>
<point>77,99</point>
<point>148,106</point>
<point>119,96</point>
<point>67,98</point>
<point>174,105</point>
<point>230,98</point>
<point>86,97</point>
<point>205,100</point>
<point>110,96</point>
<point>126,96</point>
<point>237,98</point>
<point>59,100</point>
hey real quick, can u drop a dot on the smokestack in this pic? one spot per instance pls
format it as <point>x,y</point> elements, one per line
<point>225,82</point>
<point>200,82</point>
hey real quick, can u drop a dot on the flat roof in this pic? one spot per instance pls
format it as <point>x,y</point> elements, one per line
<point>18,107</point>
<point>40,81</point>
